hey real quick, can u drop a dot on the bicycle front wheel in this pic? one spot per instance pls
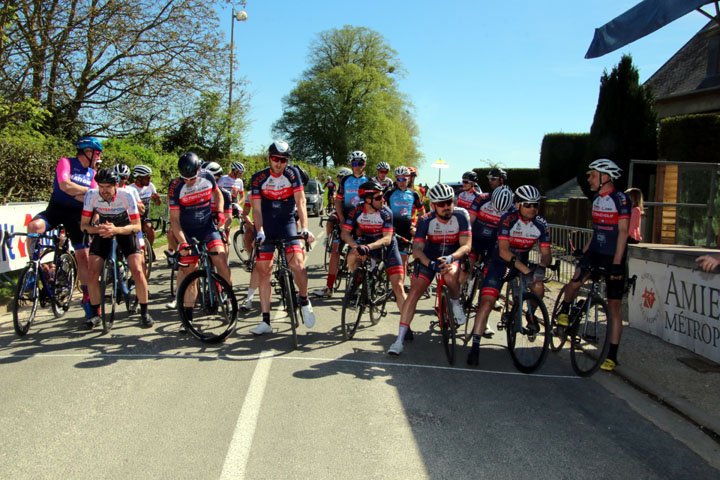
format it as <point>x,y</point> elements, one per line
<point>529,336</point>
<point>239,246</point>
<point>108,292</point>
<point>147,258</point>
<point>25,303</point>
<point>353,304</point>
<point>590,337</point>
<point>447,324</point>
<point>379,293</point>
<point>63,284</point>
<point>559,334</point>
<point>328,251</point>
<point>291,305</point>
<point>214,310</point>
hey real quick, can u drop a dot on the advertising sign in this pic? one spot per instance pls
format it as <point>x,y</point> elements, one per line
<point>15,218</point>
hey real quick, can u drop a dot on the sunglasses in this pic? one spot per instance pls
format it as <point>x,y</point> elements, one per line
<point>530,204</point>
<point>467,181</point>
<point>187,179</point>
<point>383,171</point>
<point>444,203</point>
<point>279,159</point>
<point>493,178</point>
<point>357,164</point>
<point>402,179</point>
<point>379,197</point>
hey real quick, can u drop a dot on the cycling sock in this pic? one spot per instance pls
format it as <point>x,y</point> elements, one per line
<point>95,309</point>
<point>476,341</point>
<point>331,281</point>
<point>612,354</point>
<point>303,301</point>
<point>188,313</point>
<point>251,293</point>
<point>403,331</point>
<point>143,309</point>
<point>266,317</point>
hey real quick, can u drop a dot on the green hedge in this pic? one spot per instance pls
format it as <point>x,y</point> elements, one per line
<point>560,154</point>
<point>690,138</point>
<point>516,178</point>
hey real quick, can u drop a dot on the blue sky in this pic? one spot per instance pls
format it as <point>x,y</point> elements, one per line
<point>488,79</point>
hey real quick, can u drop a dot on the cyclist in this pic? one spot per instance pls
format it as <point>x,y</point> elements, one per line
<point>606,247</point>
<point>383,168</point>
<point>233,183</point>
<point>146,191</point>
<point>517,233</point>
<point>73,178</point>
<point>469,191</point>
<point>330,187</point>
<point>346,199</point>
<point>441,240</point>
<point>406,207</point>
<point>118,217</point>
<point>190,197</point>
<point>216,171</point>
<point>277,192</point>
<point>373,223</point>
<point>497,178</point>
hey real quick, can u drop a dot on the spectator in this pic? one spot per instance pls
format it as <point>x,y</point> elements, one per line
<point>634,230</point>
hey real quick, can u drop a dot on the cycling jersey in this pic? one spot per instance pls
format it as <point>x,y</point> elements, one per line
<point>403,204</point>
<point>465,199</point>
<point>234,185</point>
<point>145,194</point>
<point>330,186</point>
<point>227,202</point>
<point>348,191</point>
<point>522,235</point>
<point>370,228</point>
<point>608,208</point>
<point>442,237</point>
<point>71,169</point>
<point>120,210</point>
<point>385,184</point>
<point>484,229</point>
<point>277,199</point>
<point>193,201</point>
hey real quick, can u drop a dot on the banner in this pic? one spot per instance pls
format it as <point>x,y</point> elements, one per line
<point>679,305</point>
<point>15,218</point>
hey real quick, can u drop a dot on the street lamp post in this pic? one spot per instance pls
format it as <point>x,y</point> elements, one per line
<point>440,164</point>
<point>240,16</point>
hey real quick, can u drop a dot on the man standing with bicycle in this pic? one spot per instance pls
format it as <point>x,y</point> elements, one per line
<point>607,248</point>
<point>191,216</point>
<point>147,193</point>
<point>518,231</point>
<point>118,217</point>
<point>277,193</point>
<point>406,208</point>
<point>346,199</point>
<point>374,224</point>
<point>441,240</point>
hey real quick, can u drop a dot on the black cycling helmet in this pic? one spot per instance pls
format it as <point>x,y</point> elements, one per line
<point>498,173</point>
<point>106,175</point>
<point>279,148</point>
<point>470,175</point>
<point>189,164</point>
<point>371,187</point>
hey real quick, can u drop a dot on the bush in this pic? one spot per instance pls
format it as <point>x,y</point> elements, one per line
<point>559,155</point>
<point>690,138</point>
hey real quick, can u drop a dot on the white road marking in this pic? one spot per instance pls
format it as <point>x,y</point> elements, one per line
<point>239,450</point>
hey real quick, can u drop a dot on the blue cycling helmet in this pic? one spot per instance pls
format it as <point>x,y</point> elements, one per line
<point>88,142</point>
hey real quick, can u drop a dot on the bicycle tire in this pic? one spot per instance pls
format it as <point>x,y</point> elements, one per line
<point>529,346</point>
<point>131,299</point>
<point>25,302</point>
<point>590,337</point>
<point>447,324</point>
<point>342,273</point>
<point>214,310</point>
<point>239,246</point>
<point>291,306</point>
<point>108,292</point>
<point>63,284</point>
<point>173,279</point>
<point>353,304</point>
<point>559,334</point>
<point>328,252</point>
<point>468,298</point>
<point>379,293</point>
<point>147,255</point>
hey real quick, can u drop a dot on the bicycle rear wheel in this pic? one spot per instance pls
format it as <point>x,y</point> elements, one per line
<point>353,304</point>
<point>173,279</point>
<point>447,324</point>
<point>108,292</point>
<point>559,334</point>
<point>63,284</point>
<point>214,309</point>
<point>239,246</point>
<point>379,293</point>
<point>147,258</point>
<point>590,337</point>
<point>529,339</point>
<point>328,251</point>
<point>26,300</point>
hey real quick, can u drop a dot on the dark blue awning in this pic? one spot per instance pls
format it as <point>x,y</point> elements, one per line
<point>642,19</point>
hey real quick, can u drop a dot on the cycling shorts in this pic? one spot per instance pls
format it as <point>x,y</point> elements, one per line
<point>403,230</point>
<point>495,279</point>
<point>69,217</point>
<point>615,288</point>
<point>128,245</point>
<point>208,235</point>
<point>427,274</point>
<point>393,261</point>
<point>266,251</point>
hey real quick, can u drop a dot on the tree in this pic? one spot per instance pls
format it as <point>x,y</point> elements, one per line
<point>348,100</point>
<point>625,123</point>
<point>112,67</point>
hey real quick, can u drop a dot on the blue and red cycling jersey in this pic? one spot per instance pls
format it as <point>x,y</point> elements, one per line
<point>369,226</point>
<point>403,204</point>
<point>348,191</point>
<point>442,237</point>
<point>277,199</point>
<point>607,210</point>
<point>193,201</point>
<point>71,169</point>
<point>522,235</point>
<point>487,219</point>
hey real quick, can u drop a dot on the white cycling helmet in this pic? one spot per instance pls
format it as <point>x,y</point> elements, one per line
<point>502,198</point>
<point>441,192</point>
<point>603,165</point>
<point>357,155</point>
<point>383,166</point>
<point>122,170</point>
<point>527,193</point>
<point>344,172</point>
<point>214,168</point>
<point>238,166</point>
<point>141,171</point>
<point>402,171</point>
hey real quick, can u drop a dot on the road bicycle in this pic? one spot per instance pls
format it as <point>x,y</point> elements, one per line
<point>336,237</point>
<point>116,286</point>
<point>526,321</point>
<point>368,289</point>
<point>147,252</point>
<point>214,309</point>
<point>48,278</point>
<point>239,246</point>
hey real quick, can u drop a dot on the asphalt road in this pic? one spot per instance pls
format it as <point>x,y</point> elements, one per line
<point>152,403</point>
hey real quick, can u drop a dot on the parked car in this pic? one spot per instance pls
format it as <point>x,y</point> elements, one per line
<point>314,197</point>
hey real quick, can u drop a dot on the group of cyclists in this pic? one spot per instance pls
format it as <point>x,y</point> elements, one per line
<point>374,216</point>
